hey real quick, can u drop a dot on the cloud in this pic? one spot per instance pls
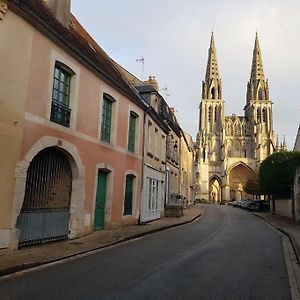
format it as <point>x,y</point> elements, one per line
<point>173,36</point>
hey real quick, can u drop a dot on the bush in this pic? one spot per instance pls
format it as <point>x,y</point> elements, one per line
<point>277,173</point>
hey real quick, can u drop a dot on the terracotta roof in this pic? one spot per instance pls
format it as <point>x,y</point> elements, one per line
<point>78,41</point>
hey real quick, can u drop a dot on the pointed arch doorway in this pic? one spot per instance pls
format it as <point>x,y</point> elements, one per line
<point>215,195</point>
<point>238,177</point>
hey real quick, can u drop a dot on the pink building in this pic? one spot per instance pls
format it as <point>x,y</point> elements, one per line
<point>80,161</point>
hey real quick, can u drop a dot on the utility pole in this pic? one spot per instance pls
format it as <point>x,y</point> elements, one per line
<point>142,61</point>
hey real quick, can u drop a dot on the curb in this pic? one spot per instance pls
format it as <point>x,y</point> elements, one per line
<point>27,266</point>
<point>290,236</point>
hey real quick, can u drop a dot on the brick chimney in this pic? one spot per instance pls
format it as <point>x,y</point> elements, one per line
<point>61,10</point>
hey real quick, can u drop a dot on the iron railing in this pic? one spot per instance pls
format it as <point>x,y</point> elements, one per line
<point>60,114</point>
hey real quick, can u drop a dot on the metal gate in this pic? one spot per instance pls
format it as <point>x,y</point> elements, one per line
<point>46,208</point>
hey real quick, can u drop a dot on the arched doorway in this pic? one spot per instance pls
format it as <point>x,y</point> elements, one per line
<point>45,211</point>
<point>238,177</point>
<point>214,190</point>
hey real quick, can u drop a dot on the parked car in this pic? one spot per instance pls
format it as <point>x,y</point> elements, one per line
<point>245,203</point>
<point>235,203</point>
<point>259,205</point>
<point>254,205</point>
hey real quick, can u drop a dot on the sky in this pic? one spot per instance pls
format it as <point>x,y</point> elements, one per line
<point>173,38</point>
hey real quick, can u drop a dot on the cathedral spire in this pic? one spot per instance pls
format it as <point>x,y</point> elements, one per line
<point>257,70</point>
<point>212,71</point>
<point>257,88</point>
<point>212,86</point>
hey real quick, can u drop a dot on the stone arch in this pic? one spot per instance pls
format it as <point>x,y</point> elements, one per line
<point>77,214</point>
<point>239,174</point>
<point>229,127</point>
<point>215,191</point>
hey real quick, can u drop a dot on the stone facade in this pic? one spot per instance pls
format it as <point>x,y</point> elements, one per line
<point>230,148</point>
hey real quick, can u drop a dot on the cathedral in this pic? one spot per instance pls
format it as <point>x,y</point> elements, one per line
<point>230,148</point>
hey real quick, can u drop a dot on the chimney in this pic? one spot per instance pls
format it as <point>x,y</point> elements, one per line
<point>152,81</point>
<point>61,10</point>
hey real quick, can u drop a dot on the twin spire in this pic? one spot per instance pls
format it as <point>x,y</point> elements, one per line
<point>257,70</point>
<point>212,86</point>
<point>212,70</point>
<point>257,88</point>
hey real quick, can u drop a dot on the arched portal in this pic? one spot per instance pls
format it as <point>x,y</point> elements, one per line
<point>238,177</point>
<point>45,211</point>
<point>214,190</point>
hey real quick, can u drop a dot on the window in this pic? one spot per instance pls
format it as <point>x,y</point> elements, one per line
<point>60,107</point>
<point>258,115</point>
<point>150,139</point>
<point>106,118</point>
<point>131,131</point>
<point>216,112</point>
<point>209,114</point>
<point>264,115</point>
<point>128,195</point>
<point>152,194</point>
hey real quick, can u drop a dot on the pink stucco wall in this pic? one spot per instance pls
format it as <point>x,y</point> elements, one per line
<point>85,134</point>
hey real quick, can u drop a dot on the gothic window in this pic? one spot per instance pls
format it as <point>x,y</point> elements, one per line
<point>216,111</point>
<point>213,93</point>
<point>260,94</point>
<point>209,114</point>
<point>258,115</point>
<point>264,115</point>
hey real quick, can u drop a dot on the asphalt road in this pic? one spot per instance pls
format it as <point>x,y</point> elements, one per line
<point>227,254</point>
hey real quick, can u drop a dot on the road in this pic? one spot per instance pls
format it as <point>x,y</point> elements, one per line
<point>227,254</point>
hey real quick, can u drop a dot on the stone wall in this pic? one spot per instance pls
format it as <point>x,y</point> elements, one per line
<point>283,207</point>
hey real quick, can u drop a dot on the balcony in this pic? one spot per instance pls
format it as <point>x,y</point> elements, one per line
<point>60,114</point>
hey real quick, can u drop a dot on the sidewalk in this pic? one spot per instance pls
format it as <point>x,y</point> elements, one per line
<point>286,226</point>
<point>25,258</point>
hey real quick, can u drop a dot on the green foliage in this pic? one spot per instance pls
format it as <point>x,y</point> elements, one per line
<point>253,186</point>
<point>277,173</point>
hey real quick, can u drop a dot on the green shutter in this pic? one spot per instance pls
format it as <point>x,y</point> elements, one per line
<point>106,120</point>
<point>131,132</point>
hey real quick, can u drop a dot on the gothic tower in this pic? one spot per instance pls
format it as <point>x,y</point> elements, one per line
<point>210,125</point>
<point>258,109</point>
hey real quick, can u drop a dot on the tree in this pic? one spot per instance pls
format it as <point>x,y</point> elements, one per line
<point>253,186</point>
<point>277,173</point>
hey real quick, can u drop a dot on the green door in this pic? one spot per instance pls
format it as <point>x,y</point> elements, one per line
<point>100,201</point>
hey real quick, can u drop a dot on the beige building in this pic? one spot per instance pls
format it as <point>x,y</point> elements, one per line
<point>230,148</point>
<point>187,163</point>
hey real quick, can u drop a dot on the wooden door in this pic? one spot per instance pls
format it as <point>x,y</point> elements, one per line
<point>100,201</point>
